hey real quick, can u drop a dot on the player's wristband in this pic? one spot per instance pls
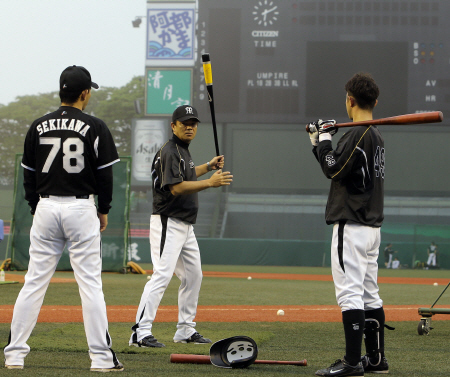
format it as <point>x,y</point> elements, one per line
<point>325,136</point>
<point>208,166</point>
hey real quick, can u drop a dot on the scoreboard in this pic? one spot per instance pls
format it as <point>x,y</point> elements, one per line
<point>287,61</point>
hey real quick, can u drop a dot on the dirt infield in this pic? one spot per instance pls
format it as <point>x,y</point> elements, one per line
<point>234,313</point>
<point>224,313</point>
<point>21,279</point>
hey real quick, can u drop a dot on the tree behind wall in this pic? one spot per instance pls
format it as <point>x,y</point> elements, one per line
<point>115,106</point>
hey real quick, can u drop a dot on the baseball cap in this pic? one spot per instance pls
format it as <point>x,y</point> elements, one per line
<point>184,112</point>
<point>76,79</point>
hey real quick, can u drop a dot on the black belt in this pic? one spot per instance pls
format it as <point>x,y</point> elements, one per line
<point>78,196</point>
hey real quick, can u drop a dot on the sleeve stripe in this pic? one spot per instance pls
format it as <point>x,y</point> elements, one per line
<point>353,151</point>
<point>111,163</point>
<point>365,157</point>
<point>27,167</point>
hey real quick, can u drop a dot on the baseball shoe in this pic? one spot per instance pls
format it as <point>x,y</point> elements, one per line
<point>342,368</point>
<point>147,342</point>
<point>117,368</point>
<point>196,338</point>
<point>13,366</point>
<point>381,367</point>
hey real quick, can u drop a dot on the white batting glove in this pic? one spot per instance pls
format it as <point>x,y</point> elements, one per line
<point>326,129</point>
<point>314,137</point>
<point>313,130</point>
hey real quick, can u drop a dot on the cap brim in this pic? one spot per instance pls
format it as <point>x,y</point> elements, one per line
<point>215,353</point>
<point>94,85</point>
<point>188,117</point>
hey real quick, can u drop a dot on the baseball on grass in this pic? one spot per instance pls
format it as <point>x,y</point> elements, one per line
<point>249,278</point>
<point>280,312</point>
<point>435,284</point>
<point>149,277</point>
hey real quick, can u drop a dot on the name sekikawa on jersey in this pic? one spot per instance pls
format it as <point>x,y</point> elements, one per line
<point>61,124</point>
<point>66,149</point>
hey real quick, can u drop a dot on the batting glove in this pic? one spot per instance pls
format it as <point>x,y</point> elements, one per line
<point>326,128</point>
<point>313,133</point>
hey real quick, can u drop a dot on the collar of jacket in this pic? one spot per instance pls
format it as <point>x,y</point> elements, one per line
<point>180,142</point>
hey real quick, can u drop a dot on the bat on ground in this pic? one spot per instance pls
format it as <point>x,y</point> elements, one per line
<point>399,120</point>
<point>205,359</point>
<point>209,87</point>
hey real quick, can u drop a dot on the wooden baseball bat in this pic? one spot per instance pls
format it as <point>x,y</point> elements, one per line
<point>205,359</point>
<point>209,87</point>
<point>399,120</point>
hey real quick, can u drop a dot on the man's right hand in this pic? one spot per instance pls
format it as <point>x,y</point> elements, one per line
<point>103,221</point>
<point>220,178</point>
<point>326,126</point>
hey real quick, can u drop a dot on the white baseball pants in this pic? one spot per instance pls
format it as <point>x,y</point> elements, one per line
<point>389,264</point>
<point>61,221</point>
<point>431,259</point>
<point>174,249</point>
<point>354,255</point>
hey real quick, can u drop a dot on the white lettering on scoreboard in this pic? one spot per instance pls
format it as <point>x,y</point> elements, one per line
<point>272,79</point>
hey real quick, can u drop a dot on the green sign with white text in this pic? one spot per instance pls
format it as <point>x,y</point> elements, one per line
<point>166,89</point>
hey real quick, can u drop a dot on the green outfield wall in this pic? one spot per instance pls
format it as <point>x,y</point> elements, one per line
<point>285,252</point>
<point>265,252</point>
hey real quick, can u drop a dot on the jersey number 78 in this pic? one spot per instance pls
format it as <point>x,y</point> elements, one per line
<point>73,149</point>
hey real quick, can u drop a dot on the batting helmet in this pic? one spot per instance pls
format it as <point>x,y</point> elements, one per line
<point>234,352</point>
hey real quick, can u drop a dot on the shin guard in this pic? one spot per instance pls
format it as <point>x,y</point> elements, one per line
<point>372,341</point>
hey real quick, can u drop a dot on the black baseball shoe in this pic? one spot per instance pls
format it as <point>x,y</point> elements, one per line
<point>342,368</point>
<point>117,368</point>
<point>381,366</point>
<point>147,342</point>
<point>196,338</point>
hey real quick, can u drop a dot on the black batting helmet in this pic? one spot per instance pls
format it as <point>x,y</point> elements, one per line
<point>234,352</point>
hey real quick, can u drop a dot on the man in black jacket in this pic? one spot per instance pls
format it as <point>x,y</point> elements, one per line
<point>355,208</point>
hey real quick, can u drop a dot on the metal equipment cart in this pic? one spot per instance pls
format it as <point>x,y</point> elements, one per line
<point>426,313</point>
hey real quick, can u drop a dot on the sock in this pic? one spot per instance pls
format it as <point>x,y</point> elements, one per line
<point>353,321</point>
<point>377,314</point>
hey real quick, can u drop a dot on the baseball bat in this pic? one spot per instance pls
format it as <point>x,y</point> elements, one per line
<point>205,359</point>
<point>399,120</point>
<point>209,87</point>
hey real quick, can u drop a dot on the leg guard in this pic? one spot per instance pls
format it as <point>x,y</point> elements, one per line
<point>372,341</point>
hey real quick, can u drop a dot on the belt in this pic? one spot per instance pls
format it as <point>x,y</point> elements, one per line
<point>78,196</point>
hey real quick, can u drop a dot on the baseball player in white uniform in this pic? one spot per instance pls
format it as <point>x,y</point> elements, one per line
<point>68,157</point>
<point>173,244</point>
<point>355,208</point>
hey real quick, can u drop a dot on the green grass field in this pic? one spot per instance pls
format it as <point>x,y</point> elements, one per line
<point>60,349</point>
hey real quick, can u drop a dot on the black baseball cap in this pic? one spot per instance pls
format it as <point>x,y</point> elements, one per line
<point>76,79</point>
<point>185,112</point>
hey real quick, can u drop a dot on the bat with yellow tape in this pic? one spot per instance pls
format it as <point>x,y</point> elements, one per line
<point>209,87</point>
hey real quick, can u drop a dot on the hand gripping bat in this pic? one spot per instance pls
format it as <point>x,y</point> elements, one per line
<point>399,120</point>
